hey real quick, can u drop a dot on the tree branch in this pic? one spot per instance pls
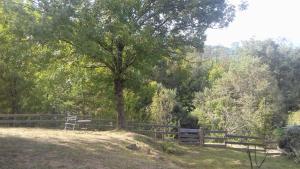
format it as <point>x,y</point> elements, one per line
<point>162,24</point>
<point>129,62</point>
<point>146,10</point>
<point>100,60</point>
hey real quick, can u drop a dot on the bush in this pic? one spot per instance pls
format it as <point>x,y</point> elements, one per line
<point>167,147</point>
<point>278,133</point>
<point>171,148</point>
<point>290,143</point>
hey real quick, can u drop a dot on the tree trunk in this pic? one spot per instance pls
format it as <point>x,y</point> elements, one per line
<point>119,86</point>
<point>119,98</point>
<point>14,99</point>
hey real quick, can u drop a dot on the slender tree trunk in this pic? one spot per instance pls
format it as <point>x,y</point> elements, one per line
<point>118,84</point>
<point>119,98</point>
<point>14,99</point>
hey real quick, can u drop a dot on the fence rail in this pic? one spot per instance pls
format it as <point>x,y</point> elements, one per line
<point>245,137</point>
<point>47,120</point>
<point>215,131</point>
<point>238,142</point>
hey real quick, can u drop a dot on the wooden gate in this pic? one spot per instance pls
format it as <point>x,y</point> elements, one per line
<point>189,136</point>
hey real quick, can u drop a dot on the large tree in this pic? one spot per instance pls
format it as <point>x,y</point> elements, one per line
<point>121,35</point>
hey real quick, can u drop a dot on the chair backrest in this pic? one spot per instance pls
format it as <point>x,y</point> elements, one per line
<point>71,118</point>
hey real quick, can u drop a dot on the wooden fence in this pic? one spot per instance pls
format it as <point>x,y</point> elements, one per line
<point>158,131</point>
<point>214,138</point>
<point>219,138</point>
<point>189,136</point>
<point>50,121</point>
<point>211,138</point>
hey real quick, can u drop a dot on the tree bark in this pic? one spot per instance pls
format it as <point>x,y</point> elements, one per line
<point>119,86</point>
<point>121,124</point>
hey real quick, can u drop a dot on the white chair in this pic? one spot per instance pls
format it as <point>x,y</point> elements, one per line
<point>70,122</point>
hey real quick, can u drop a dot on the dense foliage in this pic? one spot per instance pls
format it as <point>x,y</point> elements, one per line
<point>244,99</point>
<point>145,58</point>
<point>284,62</point>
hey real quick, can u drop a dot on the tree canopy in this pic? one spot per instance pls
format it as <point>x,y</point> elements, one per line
<point>121,35</point>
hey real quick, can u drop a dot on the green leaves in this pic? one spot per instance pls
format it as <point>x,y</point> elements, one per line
<point>163,103</point>
<point>243,99</point>
<point>146,28</point>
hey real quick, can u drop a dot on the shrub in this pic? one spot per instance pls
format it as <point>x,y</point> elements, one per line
<point>290,143</point>
<point>171,148</point>
<point>278,133</point>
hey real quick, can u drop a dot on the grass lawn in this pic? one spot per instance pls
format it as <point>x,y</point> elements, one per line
<point>33,148</point>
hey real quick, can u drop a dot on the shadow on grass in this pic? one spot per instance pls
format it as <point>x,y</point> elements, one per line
<point>30,153</point>
<point>22,153</point>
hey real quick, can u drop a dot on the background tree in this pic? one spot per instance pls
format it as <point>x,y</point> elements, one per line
<point>15,69</point>
<point>245,99</point>
<point>283,60</point>
<point>163,103</point>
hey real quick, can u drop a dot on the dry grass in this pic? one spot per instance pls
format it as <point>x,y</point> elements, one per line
<point>43,148</point>
<point>28,148</point>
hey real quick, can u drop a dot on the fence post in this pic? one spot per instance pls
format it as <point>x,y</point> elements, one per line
<point>14,121</point>
<point>29,121</point>
<point>201,136</point>
<point>178,131</point>
<point>225,138</point>
<point>39,122</point>
<point>155,136</point>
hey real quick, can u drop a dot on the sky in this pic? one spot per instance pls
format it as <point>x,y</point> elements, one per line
<point>262,20</point>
